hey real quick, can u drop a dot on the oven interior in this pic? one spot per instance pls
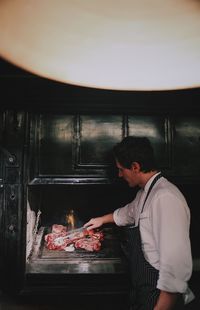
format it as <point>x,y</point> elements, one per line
<point>56,204</point>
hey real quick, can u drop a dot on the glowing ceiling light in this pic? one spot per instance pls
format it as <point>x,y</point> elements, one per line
<point>125,44</point>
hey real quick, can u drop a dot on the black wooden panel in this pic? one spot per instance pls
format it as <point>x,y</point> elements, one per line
<point>13,146</point>
<point>2,242</point>
<point>1,145</point>
<point>97,136</point>
<point>55,137</point>
<point>69,146</point>
<point>13,251</point>
<point>2,206</point>
<point>156,129</point>
<point>186,151</point>
<point>13,139</point>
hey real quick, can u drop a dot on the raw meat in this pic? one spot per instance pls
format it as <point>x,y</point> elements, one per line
<point>87,239</point>
<point>57,229</point>
<point>88,244</point>
<point>53,243</point>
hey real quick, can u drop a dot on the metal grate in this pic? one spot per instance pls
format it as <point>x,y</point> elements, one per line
<point>108,260</point>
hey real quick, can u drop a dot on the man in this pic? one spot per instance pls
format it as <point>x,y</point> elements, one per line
<point>158,222</point>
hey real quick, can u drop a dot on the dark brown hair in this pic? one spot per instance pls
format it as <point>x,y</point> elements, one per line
<point>135,149</point>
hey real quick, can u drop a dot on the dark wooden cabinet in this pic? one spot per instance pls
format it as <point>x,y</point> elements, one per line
<point>12,214</point>
<point>186,146</point>
<point>63,147</point>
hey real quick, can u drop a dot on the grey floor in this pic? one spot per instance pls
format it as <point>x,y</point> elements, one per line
<point>63,303</point>
<point>78,302</point>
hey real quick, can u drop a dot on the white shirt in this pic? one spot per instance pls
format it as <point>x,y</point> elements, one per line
<point>164,229</point>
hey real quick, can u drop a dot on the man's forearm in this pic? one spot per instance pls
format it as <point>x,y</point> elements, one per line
<point>166,301</point>
<point>108,218</point>
<point>99,221</point>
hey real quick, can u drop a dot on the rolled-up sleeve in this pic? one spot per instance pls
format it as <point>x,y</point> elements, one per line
<point>171,222</point>
<point>128,215</point>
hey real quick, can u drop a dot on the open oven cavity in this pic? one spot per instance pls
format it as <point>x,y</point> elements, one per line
<point>58,204</point>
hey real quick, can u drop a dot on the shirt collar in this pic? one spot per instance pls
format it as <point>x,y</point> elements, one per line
<point>146,188</point>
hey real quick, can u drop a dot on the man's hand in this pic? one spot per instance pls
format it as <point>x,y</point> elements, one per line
<point>94,223</point>
<point>99,221</point>
<point>166,301</point>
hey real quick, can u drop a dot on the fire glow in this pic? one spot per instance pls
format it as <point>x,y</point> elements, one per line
<point>71,220</point>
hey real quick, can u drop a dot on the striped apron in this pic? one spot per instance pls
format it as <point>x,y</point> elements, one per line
<point>144,276</point>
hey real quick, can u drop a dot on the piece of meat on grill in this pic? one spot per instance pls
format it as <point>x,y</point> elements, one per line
<point>59,239</point>
<point>57,229</point>
<point>56,241</point>
<point>89,244</point>
<point>98,235</point>
<point>79,234</point>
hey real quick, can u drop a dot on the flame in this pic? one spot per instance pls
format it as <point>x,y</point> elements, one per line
<point>70,219</point>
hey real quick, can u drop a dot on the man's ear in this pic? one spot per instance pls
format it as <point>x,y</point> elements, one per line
<point>135,166</point>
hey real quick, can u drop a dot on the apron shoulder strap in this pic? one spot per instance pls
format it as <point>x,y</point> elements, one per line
<point>150,188</point>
